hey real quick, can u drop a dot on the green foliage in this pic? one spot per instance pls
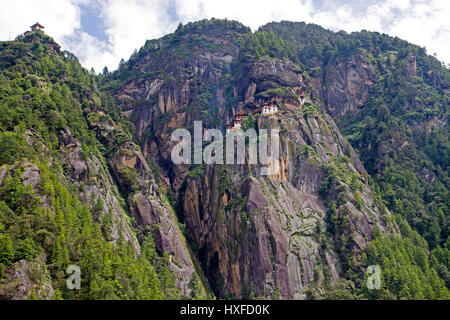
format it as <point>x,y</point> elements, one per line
<point>309,110</point>
<point>43,91</point>
<point>343,290</point>
<point>266,45</point>
<point>440,260</point>
<point>282,92</point>
<point>166,279</point>
<point>305,151</point>
<point>405,271</point>
<point>26,250</point>
<point>13,147</point>
<point>6,250</point>
<point>187,41</point>
<point>249,122</point>
<point>195,286</point>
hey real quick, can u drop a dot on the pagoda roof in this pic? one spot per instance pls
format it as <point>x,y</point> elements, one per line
<point>37,24</point>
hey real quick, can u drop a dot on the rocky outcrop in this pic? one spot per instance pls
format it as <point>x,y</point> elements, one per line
<point>183,90</point>
<point>269,80</point>
<point>147,205</point>
<point>91,175</point>
<point>27,279</point>
<point>347,84</point>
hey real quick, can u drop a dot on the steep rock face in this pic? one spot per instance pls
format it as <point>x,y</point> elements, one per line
<point>179,91</point>
<point>146,203</point>
<point>347,84</point>
<point>364,86</point>
<point>265,245</point>
<point>256,80</point>
<point>97,183</point>
<point>269,238</point>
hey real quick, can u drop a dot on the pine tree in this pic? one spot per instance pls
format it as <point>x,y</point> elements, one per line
<point>6,250</point>
<point>167,279</point>
<point>194,286</point>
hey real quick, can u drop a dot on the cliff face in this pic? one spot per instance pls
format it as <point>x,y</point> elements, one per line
<point>186,83</point>
<point>347,84</point>
<point>257,236</point>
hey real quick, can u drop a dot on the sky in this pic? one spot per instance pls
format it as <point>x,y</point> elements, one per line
<point>101,32</point>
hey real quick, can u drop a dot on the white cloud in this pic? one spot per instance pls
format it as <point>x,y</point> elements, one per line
<point>252,13</point>
<point>128,23</point>
<point>90,51</point>
<point>426,24</point>
<point>60,17</point>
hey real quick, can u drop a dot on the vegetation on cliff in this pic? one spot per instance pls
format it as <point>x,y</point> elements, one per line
<point>44,91</point>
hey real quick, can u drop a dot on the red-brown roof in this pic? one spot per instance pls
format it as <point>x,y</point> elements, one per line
<point>37,24</point>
